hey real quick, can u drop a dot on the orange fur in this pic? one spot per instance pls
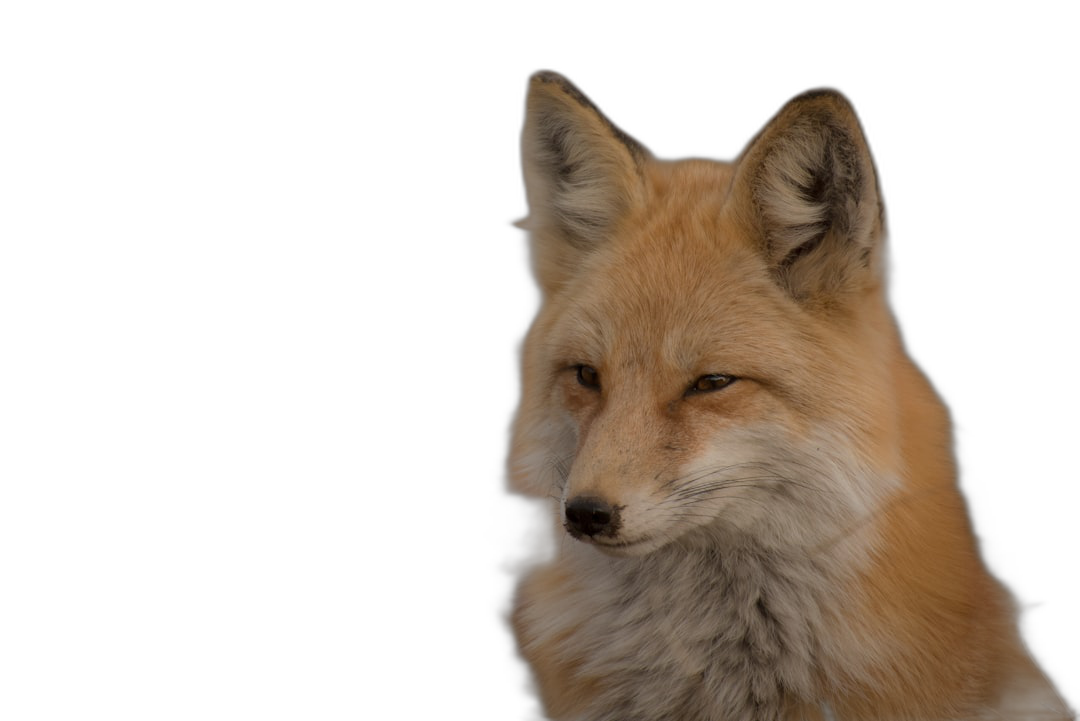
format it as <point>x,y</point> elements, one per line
<point>789,543</point>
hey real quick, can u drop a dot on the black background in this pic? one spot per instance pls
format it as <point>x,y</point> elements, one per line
<point>971,146</point>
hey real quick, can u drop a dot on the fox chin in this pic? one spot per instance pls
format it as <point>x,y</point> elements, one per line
<point>755,483</point>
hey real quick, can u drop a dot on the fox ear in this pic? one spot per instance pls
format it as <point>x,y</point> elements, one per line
<point>807,189</point>
<point>581,174</point>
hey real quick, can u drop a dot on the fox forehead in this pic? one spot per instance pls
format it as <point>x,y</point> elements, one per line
<point>675,288</point>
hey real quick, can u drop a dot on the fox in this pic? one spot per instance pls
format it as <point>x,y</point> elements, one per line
<point>754,484</point>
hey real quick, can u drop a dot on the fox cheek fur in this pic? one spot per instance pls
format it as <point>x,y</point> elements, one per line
<point>756,482</point>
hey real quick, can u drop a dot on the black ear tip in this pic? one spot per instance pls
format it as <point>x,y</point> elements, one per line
<point>551,81</point>
<point>547,76</point>
<point>815,93</point>
<point>827,97</point>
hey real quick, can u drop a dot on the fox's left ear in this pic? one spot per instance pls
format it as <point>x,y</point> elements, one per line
<point>807,190</point>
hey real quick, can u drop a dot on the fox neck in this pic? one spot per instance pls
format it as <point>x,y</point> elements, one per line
<point>736,628</point>
<point>738,611</point>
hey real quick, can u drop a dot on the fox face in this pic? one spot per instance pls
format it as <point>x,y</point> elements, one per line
<point>710,352</point>
<point>757,481</point>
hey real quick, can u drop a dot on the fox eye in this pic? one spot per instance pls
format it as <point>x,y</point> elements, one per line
<point>588,377</point>
<point>710,383</point>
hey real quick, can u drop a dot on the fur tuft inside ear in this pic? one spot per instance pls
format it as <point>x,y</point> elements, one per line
<point>809,191</point>
<point>581,173</point>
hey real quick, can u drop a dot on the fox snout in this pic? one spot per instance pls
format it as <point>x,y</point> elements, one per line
<point>591,516</point>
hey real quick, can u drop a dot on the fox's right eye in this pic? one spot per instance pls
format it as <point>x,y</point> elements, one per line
<point>588,377</point>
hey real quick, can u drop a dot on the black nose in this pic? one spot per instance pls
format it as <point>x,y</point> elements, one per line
<point>590,516</point>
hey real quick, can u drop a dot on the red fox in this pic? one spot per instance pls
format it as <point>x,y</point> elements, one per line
<point>758,481</point>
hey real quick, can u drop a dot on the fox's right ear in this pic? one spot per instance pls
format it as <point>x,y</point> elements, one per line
<point>581,175</point>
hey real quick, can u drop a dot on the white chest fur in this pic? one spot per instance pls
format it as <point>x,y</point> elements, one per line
<point>688,634</point>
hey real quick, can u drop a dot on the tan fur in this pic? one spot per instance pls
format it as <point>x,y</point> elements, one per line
<point>792,545</point>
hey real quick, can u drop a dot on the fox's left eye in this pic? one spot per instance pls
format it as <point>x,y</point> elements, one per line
<point>710,383</point>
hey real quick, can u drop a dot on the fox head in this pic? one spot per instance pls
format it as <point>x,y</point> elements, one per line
<point>713,353</point>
